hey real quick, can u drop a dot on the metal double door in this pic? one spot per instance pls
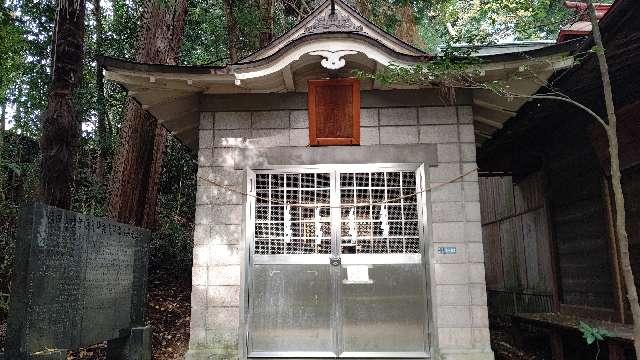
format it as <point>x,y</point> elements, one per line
<point>337,265</point>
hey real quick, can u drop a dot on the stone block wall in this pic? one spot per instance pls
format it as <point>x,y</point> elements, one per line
<point>457,281</point>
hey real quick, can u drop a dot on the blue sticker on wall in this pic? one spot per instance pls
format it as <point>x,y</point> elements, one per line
<point>447,250</point>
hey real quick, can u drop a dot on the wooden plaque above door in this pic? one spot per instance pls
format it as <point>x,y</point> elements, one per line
<point>334,112</point>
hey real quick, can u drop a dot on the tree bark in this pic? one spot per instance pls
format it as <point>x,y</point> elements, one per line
<point>364,8</point>
<point>266,20</point>
<point>60,125</point>
<point>138,164</point>
<point>620,220</point>
<point>3,123</point>
<point>407,29</point>
<point>3,113</point>
<point>232,30</point>
<point>100,99</point>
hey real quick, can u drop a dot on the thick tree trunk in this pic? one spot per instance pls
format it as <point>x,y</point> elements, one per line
<point>137,167</point>
<point>150,216</point>
<point>100,100</point>
<point>3,114</point>
<point>620,220</point>
<point>364,8</point>
<point>407,30</point>
<point>60,125</point>
<point>3,122</point>
<point>266,22</point>
<point>134,168</point>
<point>232,30</point>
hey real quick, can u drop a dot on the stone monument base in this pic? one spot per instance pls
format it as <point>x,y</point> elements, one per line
<point>134,346</point>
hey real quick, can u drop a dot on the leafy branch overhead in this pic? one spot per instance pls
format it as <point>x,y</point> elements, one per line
<point>442,72</point>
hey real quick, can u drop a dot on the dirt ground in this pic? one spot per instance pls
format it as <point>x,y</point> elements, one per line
<point>169,313</point>
<point>503,345</point>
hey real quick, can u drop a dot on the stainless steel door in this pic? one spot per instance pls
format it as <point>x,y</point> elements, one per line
<point>291,287</point>
<point>383,283</point>
<point>337,265</point>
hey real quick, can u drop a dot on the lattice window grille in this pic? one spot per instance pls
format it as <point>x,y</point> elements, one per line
<point>292,214</point>
<point>386,216</point>
<point>378,213</point>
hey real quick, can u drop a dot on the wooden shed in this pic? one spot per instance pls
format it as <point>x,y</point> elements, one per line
<point>546,199</point>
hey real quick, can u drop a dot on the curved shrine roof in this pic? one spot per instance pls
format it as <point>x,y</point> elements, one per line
<point>323,44</point>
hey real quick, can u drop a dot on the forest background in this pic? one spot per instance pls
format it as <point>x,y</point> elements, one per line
<point>216,32</point>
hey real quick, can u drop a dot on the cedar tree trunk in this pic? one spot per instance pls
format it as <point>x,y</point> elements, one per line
<point>100,100</point>
<point>60,123</point>
<point>138,163</point>
<point>266,19</point>
<point>232,30</point>
<point>407,29</point>
<point>3,112</point>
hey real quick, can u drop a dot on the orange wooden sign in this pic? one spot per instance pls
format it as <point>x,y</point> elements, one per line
<point>334,112</point>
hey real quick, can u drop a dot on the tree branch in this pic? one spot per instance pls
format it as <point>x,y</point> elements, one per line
<point>567,100</point>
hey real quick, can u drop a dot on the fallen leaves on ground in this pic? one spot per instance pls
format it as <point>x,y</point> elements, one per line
<point>168,313</point>
<point>503,344</point>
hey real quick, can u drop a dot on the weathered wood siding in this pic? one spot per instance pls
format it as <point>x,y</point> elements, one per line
<point>515,234</point>
<point>581,229</point>
<point>628,138</point>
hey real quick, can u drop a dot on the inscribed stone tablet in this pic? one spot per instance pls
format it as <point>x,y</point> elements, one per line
<point>79,280</point>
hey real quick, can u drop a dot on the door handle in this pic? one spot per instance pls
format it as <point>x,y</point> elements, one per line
<point>335,261</point>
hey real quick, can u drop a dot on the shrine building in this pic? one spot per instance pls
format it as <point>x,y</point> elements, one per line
<point>336,217</point>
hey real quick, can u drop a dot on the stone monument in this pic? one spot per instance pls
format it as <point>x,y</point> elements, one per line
<point>79,280</point>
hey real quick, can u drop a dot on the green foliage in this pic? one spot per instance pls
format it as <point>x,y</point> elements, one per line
<point>206,40</point>
<point>474,21</point>
<point>28,90</point>
<point>171,243</point>
<point>592,334</point>
<point>120,29</point>
<point>484,21</point>
<point>19,160</point>
<point>597,50</point>
<point>12,46</point>
<point>453,69</point>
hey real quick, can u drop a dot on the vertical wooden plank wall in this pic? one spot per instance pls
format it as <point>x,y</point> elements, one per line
<point>515,234</point>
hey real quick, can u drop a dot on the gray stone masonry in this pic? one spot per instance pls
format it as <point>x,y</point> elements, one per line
<point>459,306</point>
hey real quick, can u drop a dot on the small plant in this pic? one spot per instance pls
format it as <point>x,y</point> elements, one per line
<point>593,334</point>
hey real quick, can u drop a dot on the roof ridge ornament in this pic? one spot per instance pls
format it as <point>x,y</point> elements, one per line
<point>336,21</point>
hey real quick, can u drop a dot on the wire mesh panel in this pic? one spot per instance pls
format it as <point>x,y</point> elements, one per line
<point>293,214</point>
<point>379,213</point>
